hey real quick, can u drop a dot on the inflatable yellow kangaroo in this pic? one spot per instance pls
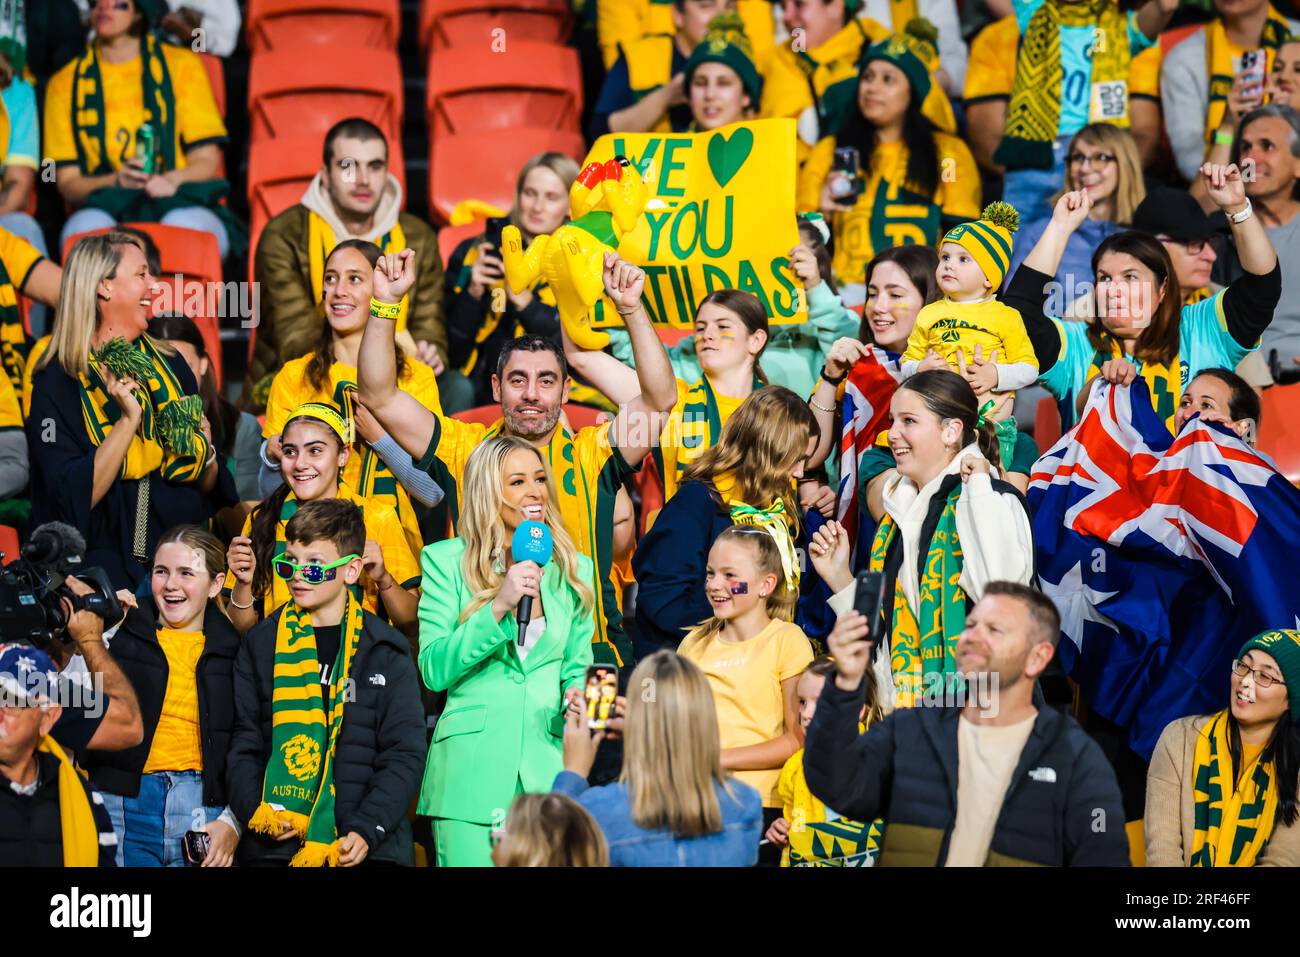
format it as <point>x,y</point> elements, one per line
<point>605,202</point>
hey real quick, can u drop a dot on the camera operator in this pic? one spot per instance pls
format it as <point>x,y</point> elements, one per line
<point>49,816</point>
<point>103,716</point>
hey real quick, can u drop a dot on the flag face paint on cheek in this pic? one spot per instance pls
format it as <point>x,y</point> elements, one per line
<point>740,588</point>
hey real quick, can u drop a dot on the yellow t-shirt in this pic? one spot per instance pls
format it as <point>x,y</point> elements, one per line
<point>11,414</point>
<point>37,350</point>
<point>951,327</point>
<point>588,471</point>
<point>887,213</point>
<point>746,681</point>
<point>991,66</point>
<point>176,745</point>
<point>19,257</point>
<point>382,524</point>
<point>197,119</point>
<point>619,22</point>
<point>688,431</point>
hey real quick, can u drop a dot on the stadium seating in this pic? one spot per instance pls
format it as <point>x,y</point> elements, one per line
<point>530,84</point>
<point>449,237</point>
<point>459,167</point>
<point>290,24</point>
<point>289,93</point>
<point>8,543</point>
<point>1047,424</point>
<point>216,71</point>
<point>192,255</point>
<point>650,489</point>
<point>1279,428</point>
<point>452,23</point>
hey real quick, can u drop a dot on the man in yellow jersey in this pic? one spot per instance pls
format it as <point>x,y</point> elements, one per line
<point>532,383</point>
<point>645,89</point>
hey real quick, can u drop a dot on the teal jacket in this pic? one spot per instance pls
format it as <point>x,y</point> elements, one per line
<point>794,355</point>
<point>504,719</point>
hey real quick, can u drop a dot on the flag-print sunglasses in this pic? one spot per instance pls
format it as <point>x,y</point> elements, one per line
<point>312,573</point>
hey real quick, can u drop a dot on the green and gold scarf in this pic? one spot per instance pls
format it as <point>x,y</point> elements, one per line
<point>169,439</point>
<point>693,426</point>
<point>914,655</point>
<point>1165,382</point>
<point>89,109</point>
<point>15,343</point>
<point>1232,822</point>
<point>1034,112</point>
<point>299,785</point>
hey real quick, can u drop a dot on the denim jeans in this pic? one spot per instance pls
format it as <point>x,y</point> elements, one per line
<point>188,217</point>
<point>1031,190</point>
<point>151,826</point>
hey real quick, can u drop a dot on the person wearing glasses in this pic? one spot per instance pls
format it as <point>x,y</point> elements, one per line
<point>1222,788</point>
<point>329,739</point>
<point>1104,160</point>
<point>314,449</point>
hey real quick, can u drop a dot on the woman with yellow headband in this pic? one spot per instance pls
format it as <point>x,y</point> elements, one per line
<point>748,477</point>
<point>377,467</point>
<point>752,653</point>
<point>315,447</point>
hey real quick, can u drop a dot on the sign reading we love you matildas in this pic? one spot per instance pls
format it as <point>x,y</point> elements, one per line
<point>725,219</point>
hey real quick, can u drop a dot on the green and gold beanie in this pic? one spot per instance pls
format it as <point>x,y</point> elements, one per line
<point>988,240</point>
<point>1284,646</point>
<point>727,44</point>
<point>914,51</point>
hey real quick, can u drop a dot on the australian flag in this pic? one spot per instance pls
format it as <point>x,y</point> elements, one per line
<point>1164,555</point>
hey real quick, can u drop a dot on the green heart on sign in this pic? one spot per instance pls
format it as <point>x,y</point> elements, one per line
<point>727,156</point>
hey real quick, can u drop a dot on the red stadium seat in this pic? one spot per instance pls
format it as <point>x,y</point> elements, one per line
<point>1279,428</point>
<point>1047,424</point>
<point>289,24</point>
<point>280,169</point>
<point>650,487</point>
<point>449,237</point>
<point>670,336</point>
<point>1171,38</point>
<point>530,84</point>
<point>217,78</point>
<point>199,293</point>
<point>8,543</point>
<point>289,93</point>
<point>485,165</point>
<point>458,23</point>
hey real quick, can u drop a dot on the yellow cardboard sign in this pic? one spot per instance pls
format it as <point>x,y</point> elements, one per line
<point>726,219</point>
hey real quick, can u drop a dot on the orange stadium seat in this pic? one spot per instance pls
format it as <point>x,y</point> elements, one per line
<point>1171,38</point>
<point>1279,428</point>
<point>290,93</point>
<point>449,237</point>
<point>8,543</point>
<point>280,169</point>
<point>289,24</point>
<point>455,23</point>
<point>217,78</point>
<point>650,487</point>
<point>459,167</point>
<point>191,255</point>
<point>530,84</point>
<point>1047,424</point>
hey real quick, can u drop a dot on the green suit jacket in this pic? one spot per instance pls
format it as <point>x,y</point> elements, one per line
<point>504,719</point>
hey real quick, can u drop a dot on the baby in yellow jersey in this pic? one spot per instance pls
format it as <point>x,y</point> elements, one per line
<point>969,330</point>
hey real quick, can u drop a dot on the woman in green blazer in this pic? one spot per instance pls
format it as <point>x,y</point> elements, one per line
<point>500,733</point>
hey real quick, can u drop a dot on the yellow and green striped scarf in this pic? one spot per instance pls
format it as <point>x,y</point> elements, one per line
<point>1034,112</point>
<point>1232,823</point>
<point>88,108</point>
<point>168,440</point>
<point>914,656</point>
<point>15,343</point>
<point>299,785</point>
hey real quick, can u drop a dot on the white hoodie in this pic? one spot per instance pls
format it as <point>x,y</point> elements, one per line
<point>993,528</point>
<point>317,199</point>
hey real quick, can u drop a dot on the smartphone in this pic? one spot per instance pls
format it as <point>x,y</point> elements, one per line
<point>846,181</point>
<point>1253,65</point>
<point>196,845</point>
<point>868,599</point>
<point>600,693</point>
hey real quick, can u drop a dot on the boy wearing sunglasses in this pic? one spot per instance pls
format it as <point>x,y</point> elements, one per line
<point>328,748</point>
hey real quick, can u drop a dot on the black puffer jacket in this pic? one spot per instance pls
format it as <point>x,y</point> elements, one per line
<point>1061,808</point>
<point>379,759</point>
<point>31,828</point>
<point>135,648</point>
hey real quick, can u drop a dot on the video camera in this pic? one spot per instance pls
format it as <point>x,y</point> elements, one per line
<point>33,590</point>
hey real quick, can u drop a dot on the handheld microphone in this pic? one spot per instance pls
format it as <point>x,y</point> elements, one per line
<point>532,542</point>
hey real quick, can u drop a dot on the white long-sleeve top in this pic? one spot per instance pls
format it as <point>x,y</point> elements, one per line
<point>993,528</point>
